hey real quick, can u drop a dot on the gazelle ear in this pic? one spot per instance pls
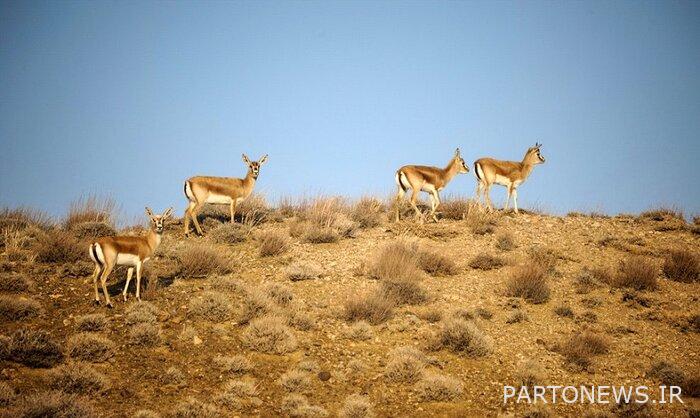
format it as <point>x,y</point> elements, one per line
<point>168,213</point>
<point>457,152</point>
<point>245,159</point>
<point>149,212</point>
<point>263,159</point>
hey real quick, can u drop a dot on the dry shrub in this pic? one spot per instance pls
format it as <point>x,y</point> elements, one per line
<point>202,260</point>
<point>299,317</point>
<point>273,243</point>
<point>356,406</point>
<point>90,347</point>
<point>173,376</point>
<point>281,294</point>
<point>462,337</point>
<point>325,220</point>
<point>374,308</point>
<point>192,408</point>
<point>233,364</point>
<point>360,331</point>
<point>324,212</point>
<point>404,291</point>
<point>431,315</point>
<point>516,316</point>
<point>255,304</point>
<point>91,322</point>
<point>396,259</point>
<point>529,282</point>
<point>13,283</point>
<point>211,306</point>
<point>636,272</point>
<point>54,404</point>
<point>437,387</point>
<point>529,373</point>
<point>316,234</point>
<point>254,210</point>
<point>662,214</point>
<point>435,263</point>
<point>667,373</point>
<point>295,381</point>
<point>581,347</point>
<point>145,334</point>
<point>146,413</point>
<point>682,266</point>
<point>7,394</point>
<point>303,270</point>
<point>78,378</point>
<point>33,349</point>
<point>587,280</point>
<point>84,230</point>
<point>90,209</point>
<point>564,311</point>
<point>405,364</point>
<point>456,208</point>
<point>544,257</point>
<point>22,217</point>
<point>297,406</point>
<point>141,313</point>
<point>482,222</point>
<point>483,313</point>
<point>17,243</point>
<point>270,335</point>
<point>229,233</point>
<point>13,308</point>
<point>235,392</point>
<point>368,212</point>
<point>57,246</point>
<point>505,242</point>
<point>485,261</point>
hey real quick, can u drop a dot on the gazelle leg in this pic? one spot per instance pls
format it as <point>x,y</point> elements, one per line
<point>436,203</point>
<point>414,197</point>
<point>478,192</point>
<point>129,273</point>
<point>510,193</point>
<point>399,199</point>
<point>233,208</point>
<point>487,197</point>
<point>103,280</point>
<point>515,199</point>
<point>139,265</point>
<point>188,215</point>
<point>194,212</point>
<point>98,270</point>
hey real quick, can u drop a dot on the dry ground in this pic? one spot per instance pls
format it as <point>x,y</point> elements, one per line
<point>245,331</point>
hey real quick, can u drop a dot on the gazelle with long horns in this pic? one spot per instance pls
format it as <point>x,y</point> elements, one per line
<point>427,179</point>
<point>108,252</point>
<point>510,174</point>
<point>219,190</point>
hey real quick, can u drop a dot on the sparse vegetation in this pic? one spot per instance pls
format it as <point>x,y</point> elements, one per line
<point>682,266</point>
<point>403,291</point>
<point>145,334</point>
<point>269,335</point>
<point>580,348</point>
<point>141,313</point>
<point>58,246</point>
<point>368,212</point>
<point>437,387</point>
<point>235,364</point>
<point>16,309</point>
<point>462,337</point>
<point>229,233</point>
<point>564,311</point>
<point>636,272</point>
<point>297,406</point>
<point>273,243</point>
<point>516,316</point>
<point>54,404</point>
<point>202,260</point>
<point>91,322</point>
<point>211,306</point>
<point>485,261</point>
<point>33,349</point>
<point>505,242</point>
<point>360,331</point>
<point>374,308</point>
<point>78,378</point>
<point>356,406</point>
<point>303,270</point>
<point>432,262</point>
<point>255,304</point>
<point>90,209</point>
<point>90,229</point>
<point>529,282</point>
<point>192,408</point>
<point>90,347</point>
<point>295,381</point>
<point>405,364</point>
<point>13,283</point>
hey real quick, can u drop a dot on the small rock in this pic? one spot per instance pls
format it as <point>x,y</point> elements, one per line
<point>324,375</point>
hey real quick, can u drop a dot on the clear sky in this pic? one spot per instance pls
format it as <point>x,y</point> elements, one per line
<point>128,98</point>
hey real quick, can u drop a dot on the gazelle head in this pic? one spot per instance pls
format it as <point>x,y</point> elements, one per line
<point>157,221</point>
<point>533,155</point>
<point>254,166</point>
<point>463,169</point>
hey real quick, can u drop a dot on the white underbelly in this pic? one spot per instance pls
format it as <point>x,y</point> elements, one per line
<point>127,259</point>
<point>502,180</point>
<point>428,188</point>
<point>218,199</point>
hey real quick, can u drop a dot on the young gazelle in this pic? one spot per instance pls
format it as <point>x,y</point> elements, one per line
<point>428,179</point>
<point>108,252</point>
<point>219,190</point>
<point>506,173</point>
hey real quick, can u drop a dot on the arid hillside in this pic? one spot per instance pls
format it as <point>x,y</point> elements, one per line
<point>329,308</point>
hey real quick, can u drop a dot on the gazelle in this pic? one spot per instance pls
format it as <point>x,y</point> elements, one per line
<point>428,179</point>
<point>219,190</point>
<point>506,173</point>
<point>108,252</point>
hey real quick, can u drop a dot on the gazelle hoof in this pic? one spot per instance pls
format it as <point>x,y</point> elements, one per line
<point>96,302</point>
<point>109,305</point>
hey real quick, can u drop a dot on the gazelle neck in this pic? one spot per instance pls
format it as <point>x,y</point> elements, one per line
<point>153,238</point>
<point>527,167</point>
<point>451,170</point>
<point>250,178</point>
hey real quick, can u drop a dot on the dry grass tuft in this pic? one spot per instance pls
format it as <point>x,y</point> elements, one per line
<point>33,349</point>
<point>297,406</point>
<point>404,291</point>
<point>368,212</point>
<point>516,316</point>
<point>544,257</point>
<point>279,293</point>
<point>505,242</point>
<point>146,413</point>
<point>7,394</point>
<point>636,272</point>
<point>462,337</point>
<point>431,315</point>
<point>315,234</point>
<point>374,308</point>
<point>237,364</point>
<point>211,306</point>
<point>270,335</point>
<point>13,308</point>
<point>299,317</point>
<point>682,266</point>
<point>356,406</point>
<point>255,304</point>
<point>359,331</point>
<point>564,311</point>
<point>90,347</point>
<point>202,260</point>
<point>529,282</point>
<point>296,381</point>
<point>456,208</point>
<point>405,364</point>
<point>485,261</point>
<point>192,408</point>
<point>57,246</point>
<point>13,283</point>
<point>85,230</point>
<point>22,218</point>
<point>145,334</point>
<point>581,347</point>
<point>253,211</point>
<point>436,387</point>
<point>141,313</point>
<point>303,270</point>
<point>435,263</point>
<point>54,404</point>
<point>667,373</point>
<point>396,259</point>
<point>529,373</point>
<point>662,214</point>
<point>78,378</point>
<point>229,233</point>
<point>173,376</point>
<point>588,280</point>
<point>273,243</point>
<point>90,209</point>
<point>91,322</point>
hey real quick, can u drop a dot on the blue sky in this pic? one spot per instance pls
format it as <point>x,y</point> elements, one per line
<point>128,99</point>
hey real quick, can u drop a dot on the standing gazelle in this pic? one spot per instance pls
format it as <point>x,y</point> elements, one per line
<point>506,173</point>
<point>108,252</point>
<point>428,179</point>
<point>219,190</point>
